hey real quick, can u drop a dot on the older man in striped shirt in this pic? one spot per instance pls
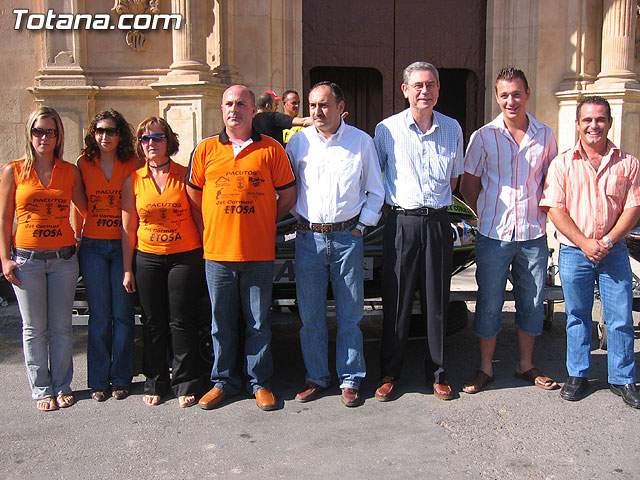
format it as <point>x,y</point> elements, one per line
<point>420,152</point>
<point>592,193</point>
<point>505,165</point>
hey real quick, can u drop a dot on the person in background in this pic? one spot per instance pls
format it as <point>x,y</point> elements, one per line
<point>107,160</point>
<point>268,121</point>
<point>291,105</point>
<point>162,259</point>
<point>40,258</point>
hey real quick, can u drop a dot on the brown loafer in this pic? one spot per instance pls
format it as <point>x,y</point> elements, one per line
<point>311,392</point>
<point>350,397</point>
<point>441,390</point>
<point>266,400</point>
<point>212,399</point>
<point>384,393</point>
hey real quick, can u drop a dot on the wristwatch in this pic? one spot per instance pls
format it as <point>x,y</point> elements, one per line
<point>361,228</point>
<point>608,240</point>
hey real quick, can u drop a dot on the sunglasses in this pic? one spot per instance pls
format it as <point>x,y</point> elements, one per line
<point>41,132</point>
<point>156,137</point>
<point>110,132</point>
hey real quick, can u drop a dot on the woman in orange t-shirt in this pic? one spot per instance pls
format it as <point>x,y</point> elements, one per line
<point>39,259</point>
<point>161,245</point>
<point>107,160</point>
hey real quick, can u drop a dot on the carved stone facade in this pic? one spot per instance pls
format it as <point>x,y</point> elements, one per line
<point>568,49</point>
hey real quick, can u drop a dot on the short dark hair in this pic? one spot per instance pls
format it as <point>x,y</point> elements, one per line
<point>593,100</point>
<point>172,138</point>
<point>284,95</point>
<point>336,91</point>
<point>125,149</point>
<point>264,99</point>
<point>509,74</point>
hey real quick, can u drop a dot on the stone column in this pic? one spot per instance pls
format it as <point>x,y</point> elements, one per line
<point>189,43</point>
<point>618,43</point>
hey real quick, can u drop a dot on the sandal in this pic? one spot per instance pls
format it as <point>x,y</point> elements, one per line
<point>120,393</point>
<point>537,378</point>
<point>99,394</point>
<point>185,401</point>
<point>151,400</point>
<point>64,400</point>
<point>477,382</point>
<point>46,404</point>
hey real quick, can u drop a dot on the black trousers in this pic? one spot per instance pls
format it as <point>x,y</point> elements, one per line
<point>169,287</point>
<point>417,252</point>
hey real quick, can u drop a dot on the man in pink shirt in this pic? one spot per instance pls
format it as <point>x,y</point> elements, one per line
<point>592,194</point>
<point>505,165</point>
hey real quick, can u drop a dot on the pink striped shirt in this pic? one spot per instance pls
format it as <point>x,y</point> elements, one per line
<point>511,176</point>
<point>593,200</point>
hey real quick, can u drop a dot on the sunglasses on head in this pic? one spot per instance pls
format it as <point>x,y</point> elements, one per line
<point>41,132</point>
<point>110,132</point>
<point>156,137</point>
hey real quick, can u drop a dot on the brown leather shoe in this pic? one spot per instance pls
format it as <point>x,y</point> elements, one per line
<point>266,400</point>
<point>384,393</point>
<point>350,397</point>
<point>212,399</point>
<point>311,392</point>
<point>441,390</point>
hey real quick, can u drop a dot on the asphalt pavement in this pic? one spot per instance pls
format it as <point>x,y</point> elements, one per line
<point>511,430</point>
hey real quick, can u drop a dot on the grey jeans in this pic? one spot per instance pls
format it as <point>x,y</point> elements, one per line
<point>45,299</point>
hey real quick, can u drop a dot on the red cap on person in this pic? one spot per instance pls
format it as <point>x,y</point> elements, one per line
<point>271,92</point>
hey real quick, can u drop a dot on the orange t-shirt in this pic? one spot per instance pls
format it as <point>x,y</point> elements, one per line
<point>165,224</point>
<point>239,196</point>
<point>42,213</point>
<point>104,220</point>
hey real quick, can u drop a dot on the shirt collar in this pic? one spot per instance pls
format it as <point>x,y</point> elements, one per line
<point>578,150</point>
<point>498,123</point>
<point>333,136</point>
<point>412,125</point>
<point>224,138</point>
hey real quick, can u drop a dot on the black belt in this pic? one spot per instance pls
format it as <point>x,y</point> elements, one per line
<point>326,227</point>
<point>65,253</point>
<point>423,211</point>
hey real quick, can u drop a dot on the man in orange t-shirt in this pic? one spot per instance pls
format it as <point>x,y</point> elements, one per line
<point>241,183</point>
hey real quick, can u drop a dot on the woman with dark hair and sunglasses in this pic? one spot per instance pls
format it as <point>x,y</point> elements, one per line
<point>169,269</point>
<point>107,159</point>
<point>39,258</point>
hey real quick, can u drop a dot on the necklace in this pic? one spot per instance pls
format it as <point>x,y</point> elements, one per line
<point>161,165</point>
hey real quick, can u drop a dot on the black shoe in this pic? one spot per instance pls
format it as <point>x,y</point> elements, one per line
<point>575,388</point>
<point>629,393</point>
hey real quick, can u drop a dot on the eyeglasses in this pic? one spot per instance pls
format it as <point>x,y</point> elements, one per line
<point>110,132</point>
<point>419,86</point>
<point>156,137</point>
<point>41,132</point>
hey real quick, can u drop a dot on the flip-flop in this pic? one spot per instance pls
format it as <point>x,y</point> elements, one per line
<point>477,382</point>
<point>537,378</point>
<point>47,404</point>
<point>154,400</point>
<point>65,400</point>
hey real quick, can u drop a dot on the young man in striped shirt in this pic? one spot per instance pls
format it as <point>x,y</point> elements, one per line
<point>505,165</point>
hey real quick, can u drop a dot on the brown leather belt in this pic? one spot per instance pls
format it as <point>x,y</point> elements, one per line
<point>65,253</point>
<point>326,227</point>
<point>423,211</point>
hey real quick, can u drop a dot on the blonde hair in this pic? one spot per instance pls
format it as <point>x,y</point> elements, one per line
<point>30,154</point>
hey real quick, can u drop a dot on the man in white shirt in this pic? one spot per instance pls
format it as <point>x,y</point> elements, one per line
<point>505,166</point>
<point>340,193</point>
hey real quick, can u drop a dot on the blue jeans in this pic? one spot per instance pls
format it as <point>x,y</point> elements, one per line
<point>337,257</point>
<point>111,320</point>
<point>45,299</point>
<point>613,274</point>
<point>235,285</point>
<point>527,262</point>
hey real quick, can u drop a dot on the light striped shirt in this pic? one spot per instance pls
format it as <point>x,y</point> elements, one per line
<point>593,200</point>
<point>511,177</point>
<point>418,167</point>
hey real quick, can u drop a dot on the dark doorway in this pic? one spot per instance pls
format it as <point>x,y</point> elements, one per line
<point>362,92</point>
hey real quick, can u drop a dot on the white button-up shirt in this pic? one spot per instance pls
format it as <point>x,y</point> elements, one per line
<point>418,167</point>
<point>512,178</point>
<point>337,178</point>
